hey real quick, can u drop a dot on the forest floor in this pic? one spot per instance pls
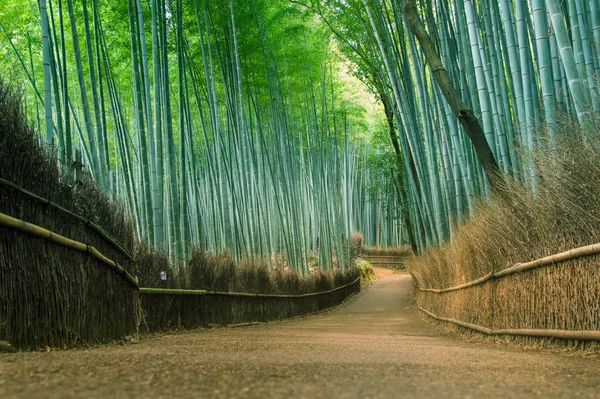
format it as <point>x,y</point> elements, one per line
<point>376,345</point>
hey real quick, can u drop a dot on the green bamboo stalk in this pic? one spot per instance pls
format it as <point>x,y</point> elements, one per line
<point>97,171</point>
<point>568,59</point>
<point>47,73</point>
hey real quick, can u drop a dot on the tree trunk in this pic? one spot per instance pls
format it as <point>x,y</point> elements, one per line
<point>464,114</point>
<point>402,194</point>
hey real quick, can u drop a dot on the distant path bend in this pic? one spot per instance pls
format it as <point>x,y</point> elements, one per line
<point>376,346</point>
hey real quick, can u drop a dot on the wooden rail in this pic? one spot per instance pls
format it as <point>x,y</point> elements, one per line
<point>37,231</point>
<point>385,260</point>
<point>580,335</point>
<point>167,291</point>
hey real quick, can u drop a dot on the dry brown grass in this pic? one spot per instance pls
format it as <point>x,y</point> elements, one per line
<point>220,272</point>
<point>520,225</point>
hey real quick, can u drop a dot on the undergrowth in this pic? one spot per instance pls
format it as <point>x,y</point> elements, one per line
<point>220,272</point>
<point>558,211</point>
<point>519,224</point>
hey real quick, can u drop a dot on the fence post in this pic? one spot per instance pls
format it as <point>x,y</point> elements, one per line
<point>78,166</point>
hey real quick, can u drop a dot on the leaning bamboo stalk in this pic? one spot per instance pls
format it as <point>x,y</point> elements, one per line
<point>588,250</point>
<point>471,326</point>
<point>473,283</point>
<point>32,229</point>
<point>579,335</point>
<point>111,240</point>
<point>166,291</point>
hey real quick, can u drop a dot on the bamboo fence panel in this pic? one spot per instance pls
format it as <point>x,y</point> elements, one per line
<point>110,239</point>
<point>34,230</point>
<point>485,315</point>
<point>588,250</point>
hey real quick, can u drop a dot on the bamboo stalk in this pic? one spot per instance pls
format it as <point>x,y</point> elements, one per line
<point>47,75</point>
<point>579,335</point>
<point>575,253</point>
<point>166,291</point>
<point>32,229</point>
<point>471,326</point>
<point>588,250</point>
<point>479,281</point>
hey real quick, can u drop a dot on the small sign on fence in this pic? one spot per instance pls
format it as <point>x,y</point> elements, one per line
<point>163,276</point>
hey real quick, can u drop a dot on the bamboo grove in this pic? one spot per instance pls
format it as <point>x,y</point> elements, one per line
<point>208,132</point>
<point>519,65</point>
<point>227,124</point>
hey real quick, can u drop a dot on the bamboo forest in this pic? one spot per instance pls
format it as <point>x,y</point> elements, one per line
<point>280,127</point>
<point>224,126</point>
<point>333,198</point>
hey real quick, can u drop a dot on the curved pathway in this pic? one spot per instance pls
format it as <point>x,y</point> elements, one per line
<point>375,346</point>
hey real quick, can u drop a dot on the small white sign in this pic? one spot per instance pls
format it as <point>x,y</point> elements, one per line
<point>163,276</point>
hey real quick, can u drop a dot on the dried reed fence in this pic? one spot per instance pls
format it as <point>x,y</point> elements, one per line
<point>518,223</point>
<point>214,289</point>
<point>37,231</point>
<point>93,226</point>
<point>173,308</point>
<point>163,308</point>
<point>527,299</point>
<point>50,294</point>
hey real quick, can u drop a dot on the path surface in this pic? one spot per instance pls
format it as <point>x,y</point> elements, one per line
<point>374,347</point>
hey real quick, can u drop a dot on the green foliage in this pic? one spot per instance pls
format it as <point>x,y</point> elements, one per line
<point>231,125</point>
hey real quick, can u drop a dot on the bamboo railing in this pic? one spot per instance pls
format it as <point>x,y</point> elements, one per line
<point>167,291</point>
<point>580,335</point>
<point>385,260</point>
<point>588,250</point>
<point>37,231</point>
<point>583,335</point>
<point>99,230</point>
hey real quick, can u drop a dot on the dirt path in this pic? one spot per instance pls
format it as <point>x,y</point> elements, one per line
<point>374,347</point>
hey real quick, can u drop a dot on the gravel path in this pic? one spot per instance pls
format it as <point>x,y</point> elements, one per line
<point>376,346</point>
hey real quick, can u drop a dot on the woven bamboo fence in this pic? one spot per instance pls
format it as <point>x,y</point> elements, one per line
<point>527,300</point>
<point>160,308</point>
<point>172,308</point>
<point>58,292</point>
<point>51,294</point>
